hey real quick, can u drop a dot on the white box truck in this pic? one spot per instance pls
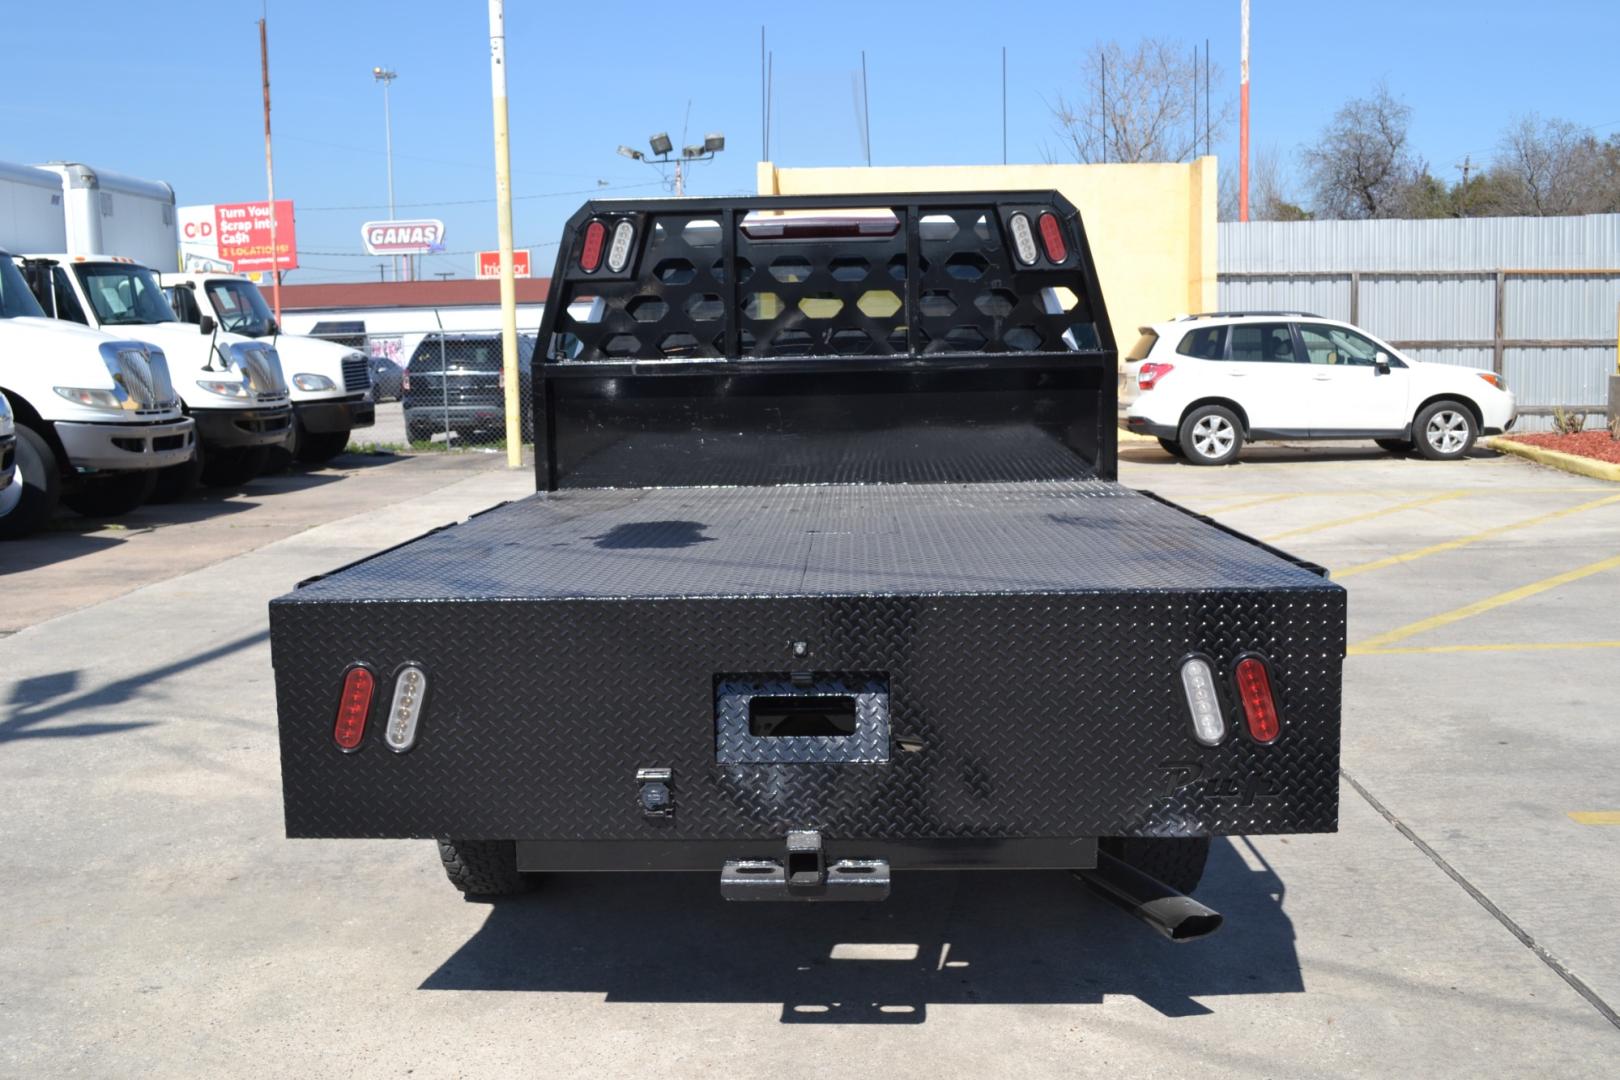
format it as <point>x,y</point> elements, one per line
<point>96,417</point>
<point>108,213</point>
<point>330,383</point>
<point>231,385</point>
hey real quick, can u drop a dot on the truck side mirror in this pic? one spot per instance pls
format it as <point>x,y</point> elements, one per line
<point>1381,363</point>
<point>206,324</point>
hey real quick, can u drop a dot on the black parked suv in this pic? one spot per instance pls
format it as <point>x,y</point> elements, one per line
<point>454,384</point>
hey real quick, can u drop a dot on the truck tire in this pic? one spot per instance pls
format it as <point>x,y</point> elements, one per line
<point>113,495</point>
<point>484,867</point>
<point>319,449</point>
<point>420,430</point>
<point>1176,861</point>
<point>1211,435</point>
<point>1173,448</point>
<point>1395,446</point>
<point>230,468</point>
<point>178,481</point>
<point>1444,431</point>
<point>28,504</point>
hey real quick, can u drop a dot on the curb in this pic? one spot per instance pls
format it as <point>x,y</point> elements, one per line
<point>1554,459</point>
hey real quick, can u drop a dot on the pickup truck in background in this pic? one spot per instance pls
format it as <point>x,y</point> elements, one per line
<point>329,383</point>
<point>97,418</point>
<point>829,581</point>
<point>231,385</point>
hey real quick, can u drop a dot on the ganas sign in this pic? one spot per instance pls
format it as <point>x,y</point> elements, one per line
<point>403,237</point>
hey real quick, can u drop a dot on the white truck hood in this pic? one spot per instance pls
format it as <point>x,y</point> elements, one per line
<point>302,355</point>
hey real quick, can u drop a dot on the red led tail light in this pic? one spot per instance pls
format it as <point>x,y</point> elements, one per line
<point>354,707</point>
<point>1259,702</point>
<point>1057,249</point>
<point>590,253</point>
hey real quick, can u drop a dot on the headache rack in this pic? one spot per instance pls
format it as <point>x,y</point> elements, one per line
<point>847,338</point>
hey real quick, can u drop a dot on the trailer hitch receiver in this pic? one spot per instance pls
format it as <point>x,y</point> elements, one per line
<point>803,873</point>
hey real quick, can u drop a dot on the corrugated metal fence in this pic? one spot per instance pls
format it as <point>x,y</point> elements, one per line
<point>1533,298</point>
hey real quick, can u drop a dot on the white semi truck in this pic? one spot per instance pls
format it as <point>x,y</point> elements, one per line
<point>330,384</point>
<point>96,417</point>
<point>231,385</point>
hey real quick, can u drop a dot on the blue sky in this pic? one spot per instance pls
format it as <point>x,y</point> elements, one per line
<point>183,105</point>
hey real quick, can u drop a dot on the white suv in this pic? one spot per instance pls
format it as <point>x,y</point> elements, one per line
<point>1206,383</point>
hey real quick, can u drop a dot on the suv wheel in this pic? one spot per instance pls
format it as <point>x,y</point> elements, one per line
<point>1211,435</point>
<point>1444,431</point>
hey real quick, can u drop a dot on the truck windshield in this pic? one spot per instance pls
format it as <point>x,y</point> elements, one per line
<point>240,307</point>
<point>123,294</point>
<point>15,299</point>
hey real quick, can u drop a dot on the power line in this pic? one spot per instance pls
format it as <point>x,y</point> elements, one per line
<point>483,202</point>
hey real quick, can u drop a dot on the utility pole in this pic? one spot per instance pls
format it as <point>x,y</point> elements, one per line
<point>866,113</point>
<point>1467,166</point>
<point>1004,104</point>
<point>386,76</point>
<point>1243,121</point>
<point>503,201</point>
<point>270,169</point>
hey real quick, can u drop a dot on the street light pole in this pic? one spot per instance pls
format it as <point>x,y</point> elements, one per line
<point>387,76</point>
<point>663,148</point>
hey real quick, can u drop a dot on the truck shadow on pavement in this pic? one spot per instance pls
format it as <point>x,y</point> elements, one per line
<point>943,938</point>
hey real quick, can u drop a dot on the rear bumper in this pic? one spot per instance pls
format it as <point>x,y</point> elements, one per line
<point>344,414</point>
<point>128,446</point>
<point>487,414</point>
<point>1141,425</point>
<point>244,428</point>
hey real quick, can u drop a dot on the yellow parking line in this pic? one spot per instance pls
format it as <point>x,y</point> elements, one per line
<point>1228,508</point>
<point>1413,505</point>
<point>1464,541</point>
<point>1434,622</point>
<point>1506,646</point>
<point>1595,817</point>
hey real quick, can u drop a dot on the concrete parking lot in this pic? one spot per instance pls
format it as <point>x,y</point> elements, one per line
<point>1461,923</point>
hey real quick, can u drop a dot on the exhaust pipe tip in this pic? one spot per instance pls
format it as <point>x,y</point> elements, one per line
<point>1170,913</point>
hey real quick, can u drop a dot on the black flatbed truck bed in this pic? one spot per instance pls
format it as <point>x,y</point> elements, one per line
<point>895,608</point>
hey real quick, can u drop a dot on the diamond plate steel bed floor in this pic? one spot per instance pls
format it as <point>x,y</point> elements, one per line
<point>831,540</point>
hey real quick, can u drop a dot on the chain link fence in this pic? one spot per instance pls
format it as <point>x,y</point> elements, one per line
<point>439,389</point>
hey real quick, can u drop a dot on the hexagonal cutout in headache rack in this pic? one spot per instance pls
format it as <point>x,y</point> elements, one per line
<point>586,309</point>
<point>849,342</point>
<point>745,270</point>
<point>702,232</point>
<point>792,343</point>
<point>897,266</point>
<point>1058,299</point>
<point>967,266</point>
<point>878,303</point>
<point>849,268</point>
<point>790,269</point>
<point>965,339</point>
<point>679,344</point>
<point>936,304</point>
<point>745,341</point>
<point>996,303</point>
<point>820,306</point>
<point>646,309</point>
<point>762,306</point>
<point>897,338</point>
<point>622,345</point>
<point>705,307</point>
<point>675,272</point>
<point>1022,339</point>
<point>937,228</point>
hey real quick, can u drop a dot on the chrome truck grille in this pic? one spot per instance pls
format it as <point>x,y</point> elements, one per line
<point>145,377</point>
<point>356,374</point>
<point>264,377</point>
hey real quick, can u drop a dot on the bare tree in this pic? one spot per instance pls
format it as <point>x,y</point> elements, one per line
<point>1362,166</point>
<point>1552,167</point>
<point>1270,198</point>
<point>1138,106</point>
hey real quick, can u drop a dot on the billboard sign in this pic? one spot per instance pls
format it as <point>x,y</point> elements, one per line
<point>237,236</point>
<point>489,264</point>
<point>421,237</point>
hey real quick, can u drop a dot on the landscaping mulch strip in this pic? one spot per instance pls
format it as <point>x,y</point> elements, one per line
<point>1596,445</point>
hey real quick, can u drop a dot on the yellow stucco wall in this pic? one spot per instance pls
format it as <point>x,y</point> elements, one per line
<point>1151,227</point>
